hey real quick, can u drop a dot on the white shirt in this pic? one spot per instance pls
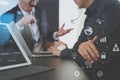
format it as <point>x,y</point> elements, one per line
<point>33,27</point>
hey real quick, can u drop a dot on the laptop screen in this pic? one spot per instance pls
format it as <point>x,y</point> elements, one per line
<point>11,53</point>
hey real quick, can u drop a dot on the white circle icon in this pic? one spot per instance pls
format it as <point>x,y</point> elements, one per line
<point>76,73</point>
<point>88,30</point>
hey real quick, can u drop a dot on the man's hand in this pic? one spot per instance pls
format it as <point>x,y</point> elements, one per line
<point>57,48</point>
<point>62,31</point>
<point>88,50</point>
<point>27,19</point>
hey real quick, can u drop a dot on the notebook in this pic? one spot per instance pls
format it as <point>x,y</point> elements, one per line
<point>12,62</point>
<point>20,39</point>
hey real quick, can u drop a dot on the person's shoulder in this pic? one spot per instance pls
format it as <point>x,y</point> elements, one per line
<point>113,3</point>
<point>110,6</point>
<point>13,10</point>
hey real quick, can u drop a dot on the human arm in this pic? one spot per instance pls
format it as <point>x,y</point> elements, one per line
<point>62,31</point>
<point>88,50</point>
<point>60,49</point>
<point>25,21</point>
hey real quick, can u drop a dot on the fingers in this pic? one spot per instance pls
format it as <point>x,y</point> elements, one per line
<point>63,25</point>
<point>68,30</point>
<point>89,51</point>
<point>56,44</point>
<point>62,43</point>
<point>62,31</point>
<point>93,48</point>
<point>86,52</point>
<point>27,19</point>
<point>54,50</point>
<point>95,38</point>
<point>32,21</point>
<point>86,56</point>
<point>51,49</point>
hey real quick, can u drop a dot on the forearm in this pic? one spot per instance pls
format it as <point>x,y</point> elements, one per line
<point>73,55</point>
<point>55,37</point>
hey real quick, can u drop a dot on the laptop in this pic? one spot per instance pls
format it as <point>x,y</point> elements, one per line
<point>20,39</point>
<point>14,64</point>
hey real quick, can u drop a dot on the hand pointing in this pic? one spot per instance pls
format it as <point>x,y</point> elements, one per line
<point>88,50</point>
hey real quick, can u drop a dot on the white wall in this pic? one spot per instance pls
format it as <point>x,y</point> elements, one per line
<point>6,5</point>
<point>68,11</point>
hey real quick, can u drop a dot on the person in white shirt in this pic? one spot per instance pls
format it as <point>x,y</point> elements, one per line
<point>28,15</point>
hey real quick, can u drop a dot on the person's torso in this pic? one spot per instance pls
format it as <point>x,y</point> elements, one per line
<point>104,22</point>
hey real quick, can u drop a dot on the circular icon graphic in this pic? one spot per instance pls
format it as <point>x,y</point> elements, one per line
<point>76,73</point>
<point>88,31</point>
<point>100,74</point>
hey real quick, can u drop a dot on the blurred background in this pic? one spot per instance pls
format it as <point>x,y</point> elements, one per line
<point>73,17</point>
<point>6,5</point>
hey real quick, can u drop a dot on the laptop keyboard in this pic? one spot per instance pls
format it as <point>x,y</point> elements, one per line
<point>12,74</point>
<point>42,54</point>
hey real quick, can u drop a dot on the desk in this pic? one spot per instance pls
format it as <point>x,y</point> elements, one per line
<point>64,70</point>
